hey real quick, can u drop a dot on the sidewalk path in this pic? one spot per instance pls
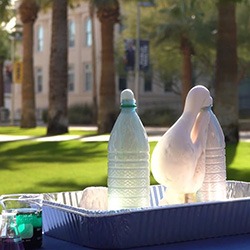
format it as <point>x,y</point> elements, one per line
<point>7,138</point>
<point>154,134</point>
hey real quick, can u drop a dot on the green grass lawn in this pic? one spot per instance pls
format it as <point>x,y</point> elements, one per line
<point>29,166</point>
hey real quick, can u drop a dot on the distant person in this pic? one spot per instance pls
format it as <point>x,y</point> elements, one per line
<point>7,79</point>
<point>8,70</point>
<point>130,55</point>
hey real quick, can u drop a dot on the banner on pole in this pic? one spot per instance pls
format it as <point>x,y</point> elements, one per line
<point>130,50</point>
<point>18,72</point>
<point>144,55</point>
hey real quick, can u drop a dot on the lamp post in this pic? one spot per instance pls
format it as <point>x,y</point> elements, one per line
<point>137,58</point>
<point>12,116</point>
<point>14,36</point>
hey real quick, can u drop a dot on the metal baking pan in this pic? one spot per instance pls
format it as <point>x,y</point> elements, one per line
<point>154,225</point>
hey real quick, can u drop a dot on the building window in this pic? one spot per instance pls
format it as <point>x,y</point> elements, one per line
<point>122,83</point>
<point>168,86</point>
<point>88,38</point>
<point>72,30</point>
<point>148,85</point>
<point>88,77</point>
<point>39,80</point>
<point>71,79</point>
<point>40,39</point>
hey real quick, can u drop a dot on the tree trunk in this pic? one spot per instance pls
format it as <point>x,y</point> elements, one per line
<point>186,73</point>
<point>226,87</point>
<point>1,85</point>
<point>58,82</point>
<point>28,117</point>
<point>107,103</point>
<point>93,53</point>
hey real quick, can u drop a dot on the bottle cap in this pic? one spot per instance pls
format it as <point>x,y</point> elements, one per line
<point>127,99</point>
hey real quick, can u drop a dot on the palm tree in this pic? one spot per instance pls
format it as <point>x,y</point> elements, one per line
<point>108,13</point>
<point>178,27</point>
<point>57,116</point>
<point>243,38</point>
<point>226,87</point>
<point>1,82</point>
<point>186,72</point>
<point>181,25</point>
<point>4,7</point>
<point>28,10</point>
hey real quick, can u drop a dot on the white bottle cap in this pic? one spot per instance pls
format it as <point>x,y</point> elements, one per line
<point>127,97</point>
<point>127,94</point>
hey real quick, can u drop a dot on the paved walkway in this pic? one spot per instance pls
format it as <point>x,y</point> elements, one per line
<point>154,134</point>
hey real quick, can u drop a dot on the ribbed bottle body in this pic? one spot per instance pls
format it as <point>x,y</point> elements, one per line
<point>128,163</point>
<point>128,180</point>
<point>214,185</point>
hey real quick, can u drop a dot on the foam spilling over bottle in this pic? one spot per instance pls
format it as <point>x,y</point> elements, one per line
<point>128,159</point>
<point>214,184</point>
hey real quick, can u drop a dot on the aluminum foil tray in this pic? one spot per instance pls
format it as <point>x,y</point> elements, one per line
<point>154,225</point>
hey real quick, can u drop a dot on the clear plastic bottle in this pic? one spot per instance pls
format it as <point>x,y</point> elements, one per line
<point>214,185</point>
<point>9,235</point>
<point>128,159</point>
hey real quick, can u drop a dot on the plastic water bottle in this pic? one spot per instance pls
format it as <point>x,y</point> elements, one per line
<point>214,185</point>
<point>128,159</point>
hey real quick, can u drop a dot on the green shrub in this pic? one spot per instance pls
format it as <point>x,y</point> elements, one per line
<point>158,117</point>
<point>80,114</point>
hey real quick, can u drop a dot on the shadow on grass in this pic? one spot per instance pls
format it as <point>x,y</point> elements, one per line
<point>231,150</point>
<point>64,186</point>
<point>241,174</point>
<point>50,152</point>
<point>68,186</point>
<point>238,175</point>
